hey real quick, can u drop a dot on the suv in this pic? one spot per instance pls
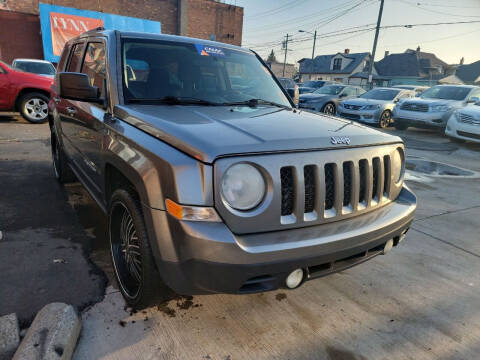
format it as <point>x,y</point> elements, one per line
<point>435,106</point>
<point>24,92</point>
<point>35,66</point>
<point>213,189</point>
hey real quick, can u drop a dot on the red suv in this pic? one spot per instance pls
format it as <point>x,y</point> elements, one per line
<point>24,92</point>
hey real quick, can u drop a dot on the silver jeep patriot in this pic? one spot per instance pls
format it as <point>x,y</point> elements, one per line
<point>212,180</point>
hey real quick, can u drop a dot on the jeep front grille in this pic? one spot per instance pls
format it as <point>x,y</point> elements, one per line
<point>308,188</point>
<point>372,185</point>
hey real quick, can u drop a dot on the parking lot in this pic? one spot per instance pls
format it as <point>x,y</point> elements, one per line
<point>420,301</point>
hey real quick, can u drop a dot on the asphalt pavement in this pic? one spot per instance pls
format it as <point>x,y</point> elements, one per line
<point>44,252</point>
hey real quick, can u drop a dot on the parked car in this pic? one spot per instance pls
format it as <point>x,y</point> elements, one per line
<point>292,88</point>
<point>24,92</point>
<point>435,106</point>
<point>326,98</point>
<point>214,190</point>
<point>34,66</point>
<point>464,124</point>
<point>373,107</point>
<point>312,85</point>
<point>417,88</point>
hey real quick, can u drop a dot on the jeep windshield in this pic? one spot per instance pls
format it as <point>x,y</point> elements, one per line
<point>446,93</point>
<point>178,73</point>
<point>380,94</point>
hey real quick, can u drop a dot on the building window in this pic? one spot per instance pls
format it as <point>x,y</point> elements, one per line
<point>337,64</point>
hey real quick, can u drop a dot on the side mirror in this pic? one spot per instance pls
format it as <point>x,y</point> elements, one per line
<point>76,86</point>
<point>342,95</point>
<point>473,100</point>
<point>395,101</point>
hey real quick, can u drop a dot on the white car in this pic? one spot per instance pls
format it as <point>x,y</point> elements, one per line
<point>464,124</point>
<point>35,66</point>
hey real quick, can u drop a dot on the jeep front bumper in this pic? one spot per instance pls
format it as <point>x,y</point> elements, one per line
<point>202,257</point>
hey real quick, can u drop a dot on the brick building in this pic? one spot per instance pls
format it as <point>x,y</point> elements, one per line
<point>205,19</point>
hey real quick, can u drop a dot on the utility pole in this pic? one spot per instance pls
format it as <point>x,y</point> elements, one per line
<point>314,38</point>
<point>285,58</point>
<point>370,65</point>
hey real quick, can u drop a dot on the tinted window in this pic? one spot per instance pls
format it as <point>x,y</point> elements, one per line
<point>287,83</point>
<point>330,90</point>
<point>35,67</point>
<point>380,94</point>
<point>186,70</point>
<point>314,84</point>
<point>94,65</point>
<point>446,93</point>
<point>349,91</point>
<point>75,58</point>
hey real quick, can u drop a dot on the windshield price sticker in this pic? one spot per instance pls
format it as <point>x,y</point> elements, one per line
<point>206,50</point>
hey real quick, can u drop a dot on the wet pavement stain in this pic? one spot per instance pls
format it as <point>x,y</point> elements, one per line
<point>342,354</point>
<point>280,296</point>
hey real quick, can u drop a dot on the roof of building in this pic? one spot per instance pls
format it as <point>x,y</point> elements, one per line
<point>469,73</point>
<point>321,64</point>
<point>411,63</point>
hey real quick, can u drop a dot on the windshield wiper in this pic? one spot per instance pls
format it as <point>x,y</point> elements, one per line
<point>254,102</point>
<point>174,100</point>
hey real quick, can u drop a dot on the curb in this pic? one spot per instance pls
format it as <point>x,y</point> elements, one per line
<point>9,336</point>
<point>52,335</point>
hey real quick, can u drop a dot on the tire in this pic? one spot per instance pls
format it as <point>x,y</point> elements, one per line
<point>132,259</point>
<point>400,126</point>
<point>34,107</point>
<point>385,119</point>
<point>329,109</point>
<point>61,169</point>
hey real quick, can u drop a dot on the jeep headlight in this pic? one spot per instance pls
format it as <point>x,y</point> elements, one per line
<point>398,165</point>
<point>371,107</point>
<point>243,187</point>
<point>440,108</point>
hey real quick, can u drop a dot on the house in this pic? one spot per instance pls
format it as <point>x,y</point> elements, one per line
<point>464,74</point>
<point>277,69</point>
<point>336,67</point>
<point>361,79</point>
<point>413,67</point>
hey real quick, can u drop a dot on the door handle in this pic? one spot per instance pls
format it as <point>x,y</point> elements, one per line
<point>71,111</point>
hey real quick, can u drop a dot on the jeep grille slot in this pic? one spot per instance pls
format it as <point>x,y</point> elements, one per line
<point>329,186</point>
<point>310,188</point>
<point>347,183</point>
<point>288,190</point>
<point>376,177</point>
<point>386,175</point>
<point>362,196</point>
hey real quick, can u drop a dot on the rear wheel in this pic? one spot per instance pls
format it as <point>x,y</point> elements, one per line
<point>329,109</point>
<point>135,270</point>
<point>385,119</point>
<point>34,107</point>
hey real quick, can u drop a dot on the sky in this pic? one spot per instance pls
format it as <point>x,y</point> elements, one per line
<point>343,24</point>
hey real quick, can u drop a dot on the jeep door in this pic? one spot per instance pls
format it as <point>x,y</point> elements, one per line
<point>84,121</point>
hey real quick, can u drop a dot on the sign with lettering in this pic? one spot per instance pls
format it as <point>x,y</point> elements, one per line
<point>60,24</point>
<point>65,27</point>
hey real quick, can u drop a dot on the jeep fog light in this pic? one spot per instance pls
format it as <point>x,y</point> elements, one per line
<point>191,213</point>
<point>243,187</point>
<point>398,165</point>
<point>294,279</point>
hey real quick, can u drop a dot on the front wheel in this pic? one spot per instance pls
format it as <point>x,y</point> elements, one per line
<point>135,270</point>
<point>34,107</point>
<point>385,119</point>
<point>329,109</point>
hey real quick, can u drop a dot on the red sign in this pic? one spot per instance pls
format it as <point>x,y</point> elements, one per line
<point>64,27</point>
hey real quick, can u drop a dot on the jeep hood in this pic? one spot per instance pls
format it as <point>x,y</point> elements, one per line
<point>209,132</point>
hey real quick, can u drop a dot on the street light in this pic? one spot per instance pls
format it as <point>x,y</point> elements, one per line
<point>314,39</point>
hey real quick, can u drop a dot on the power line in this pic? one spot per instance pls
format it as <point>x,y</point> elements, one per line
<point>419,6</point>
